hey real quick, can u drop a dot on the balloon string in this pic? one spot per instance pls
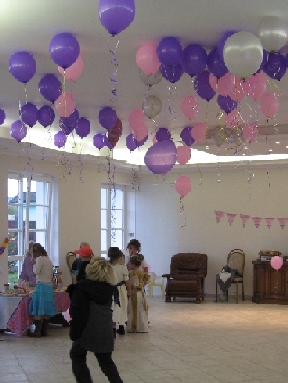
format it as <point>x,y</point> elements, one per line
<point>182,211</point>
<point>64,92</point>
<point>114,62</point>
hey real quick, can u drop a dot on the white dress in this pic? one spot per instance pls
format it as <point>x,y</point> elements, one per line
<point>120,313</point>
<point>137,305</point>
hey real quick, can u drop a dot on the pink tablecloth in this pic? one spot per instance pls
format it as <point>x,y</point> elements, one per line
<point>21,319</point>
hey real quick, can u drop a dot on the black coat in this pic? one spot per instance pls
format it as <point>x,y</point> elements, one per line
<point>91,314</point>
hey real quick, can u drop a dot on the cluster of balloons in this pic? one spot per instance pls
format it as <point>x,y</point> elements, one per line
<point>108,120</point>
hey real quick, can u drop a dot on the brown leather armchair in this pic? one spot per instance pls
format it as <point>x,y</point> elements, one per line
<point>187,276</point>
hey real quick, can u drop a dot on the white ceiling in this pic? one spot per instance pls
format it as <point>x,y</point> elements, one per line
<point>29,25</point>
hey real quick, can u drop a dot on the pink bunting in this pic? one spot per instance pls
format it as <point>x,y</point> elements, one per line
<point>269,222</point>
<point>282,222</point>
<point>219,214</point>
<point>257,221</point>
<point>244,219</point>
<point>231,217</point>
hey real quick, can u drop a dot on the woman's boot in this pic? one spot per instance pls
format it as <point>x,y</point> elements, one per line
<point>37,332</point>
<point>44,327</point>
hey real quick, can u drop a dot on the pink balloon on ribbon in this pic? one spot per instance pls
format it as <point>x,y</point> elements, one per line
<point>147,58</point>
<point>257,85</point>
<point>65,105</point>
<point>225,84</point>
<point>190,107</point>
<point>250,132</point>
<point>183,154</point>
<point>74,71</point>
<point>140,132</point>
<point>237,91</point>
<point>135,118</point>
<point>276,262</point>
<point>269,104</point>
<point>183,185</point>
<point>233,119</point>
<point>198,132</point>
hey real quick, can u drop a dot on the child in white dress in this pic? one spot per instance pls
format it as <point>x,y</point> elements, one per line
<point>119,305</point>
<point>137,305</point>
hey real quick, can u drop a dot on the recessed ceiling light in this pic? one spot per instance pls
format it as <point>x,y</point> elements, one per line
<point>207,147</point>
<point>277,142</point>
<point>270,150</point>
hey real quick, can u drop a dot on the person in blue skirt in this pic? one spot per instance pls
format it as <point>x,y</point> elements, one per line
<point>42,305</point>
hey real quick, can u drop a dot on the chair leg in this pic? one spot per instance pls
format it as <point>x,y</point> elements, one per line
<point>243,296</point>
<point>150,291</point>
<point>216,292</point>
<point>226,295</point>
<point>163,291</point>
<point>237,292</point>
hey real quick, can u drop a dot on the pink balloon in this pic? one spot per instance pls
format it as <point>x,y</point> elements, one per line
<point>65,105</point>
<point>190,107</point>
<point>276,262</point>
<point>257,84</point>
<point>135,118</point>
<point>269,104</point>
<point>74,71</point>
<point>237,90</point>
<point>183,185</point>
<point>250,132</point>
<point>213,81</point>
<point>183,154</point>
<point>198,132</point>
<point>225,84</point>
<point>233,119</point>
<point>147,58</point>
<point>140,132</point>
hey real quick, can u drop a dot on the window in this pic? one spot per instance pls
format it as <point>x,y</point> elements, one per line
<point>29,216</point>
<point>112,217</point>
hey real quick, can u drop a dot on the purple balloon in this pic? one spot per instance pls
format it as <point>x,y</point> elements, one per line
<point>172,74</point>
<point>194,59</point>
<point>50,87</point>
<point>18,130</point>
<point>222,43</point>
<point>64,49</point>
<point>100,140</point>
<point>46,115</point>
<point>131,142</point>
<point>226,103</point>
<point>215,64</point>
<point>82,127</point>
<point>142,142</point>
<point>29,114</point>
<point>275,66</point>
<point>161,157</point>
<point>107,117</point>
<point>169,51</point>
<point>116,15</point>
<point>68,124</point>
<point>22,66</point>
<point>60,139</point>
<point>202,86</point>
<point>163,134</point>
<point>264,61</point>
<point>186,136</point>
<point>2,116</point>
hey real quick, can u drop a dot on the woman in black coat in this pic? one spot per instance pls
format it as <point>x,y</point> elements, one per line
<point>91,325</point>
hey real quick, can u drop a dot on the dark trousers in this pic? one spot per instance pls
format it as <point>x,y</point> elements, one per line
<point>81,371</point>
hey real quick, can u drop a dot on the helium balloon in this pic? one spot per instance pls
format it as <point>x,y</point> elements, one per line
<point>273,33</point>
<point>161,157</point>
<point>18,130</point>
<point>64,49</point>
<point>150,79</point>
<point>22,66</point>
<point>74,71</point>
<point>2,116</point>
<point>116,15</point>
<point>169,51</point>
<point>107,117</point>
<point>183,185</point>
<point>60,139</point>
<point>194,59</point>
<point>115,133</point>
<point>65,104</point>
<point>100,140</point>
<point>131,142</point>
<point>82,127</point>
<point>46,115</point>
<point>50,87</point>
<point>147,59</point>
<point>29,114</point>
<point>163,134</point>
<point>172,74</point>
<point>152,106</point>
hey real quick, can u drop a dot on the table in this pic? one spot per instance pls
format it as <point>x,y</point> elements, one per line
<point>8,305</point>
<point>19,319</point>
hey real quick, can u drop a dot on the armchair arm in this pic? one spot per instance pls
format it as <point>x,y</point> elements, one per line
<point>166,276</point>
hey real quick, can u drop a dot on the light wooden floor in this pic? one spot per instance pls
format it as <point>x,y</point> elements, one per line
<point>206,343</point>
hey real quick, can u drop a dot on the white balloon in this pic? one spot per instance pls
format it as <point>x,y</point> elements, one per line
<point>243,54</point>
<point>151,106</point>
<point>273,33</point>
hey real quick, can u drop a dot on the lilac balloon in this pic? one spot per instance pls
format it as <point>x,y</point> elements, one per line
<point>29,114</point>
<point>46,115</point>
<point>131,142</point>
<point>163,134</point>
<point>22,66</point>
<point>2,116</point>
<point>194,59</point>
<point>100,140</point>
<point>18,130</point>
<point>215,64</point>
<point>223,41</point>
<point>68,124</point>
<point>275,66</point>
<point>172,74</point>
<point>169,51</point>
<point>83,127</point>
<point>142,142</point>
<point>202,86</point>
<point>60,139</point>
<point>186,136</point>
<point>50,87</point>
<point>161,157</point>
<point>64,49</point>
<point>116,15</point>
<point>107,117</point>
<point>226,103</point>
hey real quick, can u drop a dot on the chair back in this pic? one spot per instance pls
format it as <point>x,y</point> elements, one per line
<point>70,258</point>
<point>188,263</point>
<point>236,260</point>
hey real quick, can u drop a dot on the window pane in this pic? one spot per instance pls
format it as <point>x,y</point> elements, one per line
<point>38,216</point>
<point>12,190</point>
<point>116,219</point>
<point>13,245</point>
<point>104,198</point>
<point>13,271</point>
<point>117,238</point>
<point>104,240</point>
<point>116,198</point>
<point>104,219</point>
<point>12,217</point>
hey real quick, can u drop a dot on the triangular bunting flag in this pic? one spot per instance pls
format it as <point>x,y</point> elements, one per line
<point>282,222</point>
<point>244,219</point>
<point>269,222</point>
<point>219,214</point>
<point>230,217</point>
<point>257,221</point>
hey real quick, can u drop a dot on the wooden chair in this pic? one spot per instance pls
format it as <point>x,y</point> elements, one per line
<point>236,261</point>
<point>70,258</point>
